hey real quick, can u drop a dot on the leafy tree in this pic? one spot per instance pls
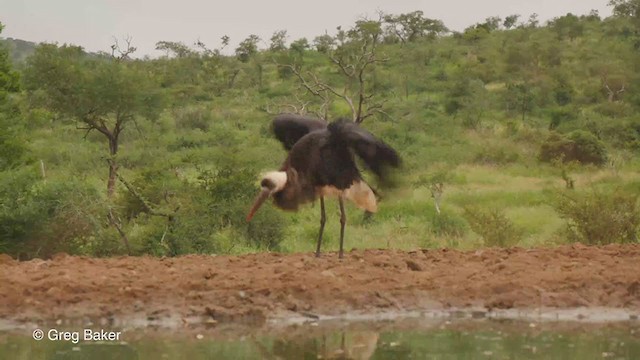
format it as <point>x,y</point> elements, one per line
<point>533,21</point>
<point>474,104</point>
<point>296,51</point>
<point>278,40</point>
<point>510,21</point>
<point>563,91</point>
<point>475,33</point>
<point>568,26</point>
<point>300,45</point>
<point>324,43</point>
<point>12,149</point>
<point>520,97</point>
<point>413,26</point>
<point>103,95</point>
<point>177,49</point>
<point>626,8</point>
<point>219,72</point>
<point>355,56</point>
<point>9,80</point>
<point>492,23</point>
<point>225,40</point>
<point>248,48</point>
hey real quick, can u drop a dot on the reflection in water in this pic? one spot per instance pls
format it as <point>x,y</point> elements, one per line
<point>357,345</point>
<point>96,351</point>
<point>416,340</point>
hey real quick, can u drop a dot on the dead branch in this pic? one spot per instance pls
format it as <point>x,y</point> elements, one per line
<point>116,223</point>
<point>613,95</point>
<point>145,203</point>
<point>123,53</point>
<point>436,190</point>
<point>285,107</point>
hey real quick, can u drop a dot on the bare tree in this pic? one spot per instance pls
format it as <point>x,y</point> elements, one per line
<point>122,53</point>
<point>355,56</point>
<point>614,87</point>
<point>300,107</point>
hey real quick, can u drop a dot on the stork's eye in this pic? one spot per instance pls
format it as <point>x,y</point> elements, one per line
<point>268,184</point>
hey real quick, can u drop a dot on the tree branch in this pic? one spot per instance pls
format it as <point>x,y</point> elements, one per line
<point>123,54</point>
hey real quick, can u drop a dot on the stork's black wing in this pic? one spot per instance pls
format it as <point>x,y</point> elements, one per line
<point>289,128</point>
<point>374,152</point>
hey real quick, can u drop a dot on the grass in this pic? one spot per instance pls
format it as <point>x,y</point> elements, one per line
<point>405,220</point>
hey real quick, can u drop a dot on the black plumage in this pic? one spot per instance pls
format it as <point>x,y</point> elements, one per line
<point>321,162</point>
<point>289,128</point>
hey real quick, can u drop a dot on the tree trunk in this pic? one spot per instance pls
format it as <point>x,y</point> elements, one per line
<point>111,183</point>
<point>113,165</point>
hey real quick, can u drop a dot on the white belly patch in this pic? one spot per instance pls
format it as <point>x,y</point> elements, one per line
<point>359,193</point>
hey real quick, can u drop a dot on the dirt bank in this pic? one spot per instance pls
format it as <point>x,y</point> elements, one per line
<point>237,288</point>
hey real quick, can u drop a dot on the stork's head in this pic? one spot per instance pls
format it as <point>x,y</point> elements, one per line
<point>271,183</point>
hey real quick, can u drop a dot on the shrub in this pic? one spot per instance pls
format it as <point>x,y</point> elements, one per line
<point>615,109</point>
<point>597,218</point>
<point>212,215</point>
<point>560,115</point>
<point>448,224</point>
<point>266,230</point>
<point>193,117</point>
<point>624,134</point>
<point>579,145</point>
<point>493,226</point>
<point>40,219</point>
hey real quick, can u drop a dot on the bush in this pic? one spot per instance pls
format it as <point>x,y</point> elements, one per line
<point>597,218</point>
<point>561,115</point>
<point>193,117</point>
<point>615,109</point>
<point>211,218</point>
<point>448,224</point>
<point>231,191</point>
<point>625,134</point>
<point>38,219</point>
<point>579,145</point>
<point>493,226</point>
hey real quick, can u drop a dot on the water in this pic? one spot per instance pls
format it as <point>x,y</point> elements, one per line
<point>406,339</point>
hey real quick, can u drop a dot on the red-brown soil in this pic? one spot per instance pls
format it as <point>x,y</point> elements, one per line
<point>235,288</point>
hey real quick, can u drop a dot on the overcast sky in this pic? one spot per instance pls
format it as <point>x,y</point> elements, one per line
<point>93,23</point>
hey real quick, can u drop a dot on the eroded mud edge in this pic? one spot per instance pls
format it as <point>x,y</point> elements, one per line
<point>587,315</point>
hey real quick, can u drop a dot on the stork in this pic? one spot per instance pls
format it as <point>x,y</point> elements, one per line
<point>321,163</point>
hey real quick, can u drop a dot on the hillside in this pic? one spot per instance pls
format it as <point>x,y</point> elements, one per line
<point>526,134</point>
<point>19,50</point>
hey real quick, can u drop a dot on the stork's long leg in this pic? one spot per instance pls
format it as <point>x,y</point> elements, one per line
<point>343,220</point>
<point>323,219</point>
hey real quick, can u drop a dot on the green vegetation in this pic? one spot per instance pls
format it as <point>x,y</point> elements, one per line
<point>511,132</point>
<point>598,218</point>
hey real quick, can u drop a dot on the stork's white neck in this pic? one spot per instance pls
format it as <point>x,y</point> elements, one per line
<point>279,178</point>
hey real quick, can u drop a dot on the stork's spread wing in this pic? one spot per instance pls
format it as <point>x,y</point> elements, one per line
<point>289,128</point>
<point>374,152</point>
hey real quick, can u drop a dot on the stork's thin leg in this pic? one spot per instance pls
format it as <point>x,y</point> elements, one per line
<point>343,220</point>
<point>323,219</point>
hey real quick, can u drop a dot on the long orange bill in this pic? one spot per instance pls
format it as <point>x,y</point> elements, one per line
<point>264,194</point>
